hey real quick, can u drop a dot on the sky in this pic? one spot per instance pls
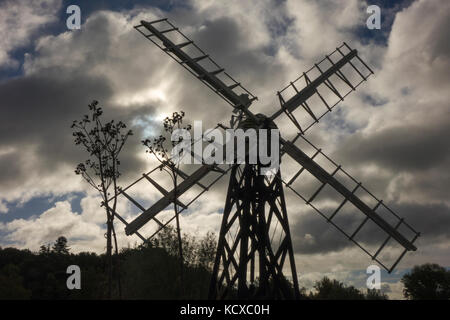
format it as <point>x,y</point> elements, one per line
<point>391,134</point>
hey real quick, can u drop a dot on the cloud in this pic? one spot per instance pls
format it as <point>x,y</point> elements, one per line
<point>38,109</point>
<point>3,207</point>
<point>55,222</point>
<point>393,290</point>
<point>311,234</point>
<point>403,148</point>
<point>20,21</point>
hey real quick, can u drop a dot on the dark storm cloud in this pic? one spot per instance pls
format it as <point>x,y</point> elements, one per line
<point>436,215</point>
<point>312,234</point>
<point>37,112</point>
<point>324,237</point>
<point>221,35</point>
<point>412,148</point>
<point>11,169</point>
<point>227,43</point>
<point>35,107</point>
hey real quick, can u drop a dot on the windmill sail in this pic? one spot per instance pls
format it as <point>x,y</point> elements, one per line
<point>391,228</point>
<point>192,185</point>
<point>183,50</point>
<point>169,197</point>
<point>317,91</point>
<point>173,42</point>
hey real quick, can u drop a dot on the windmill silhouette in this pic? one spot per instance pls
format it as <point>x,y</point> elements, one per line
<point>249,262</point>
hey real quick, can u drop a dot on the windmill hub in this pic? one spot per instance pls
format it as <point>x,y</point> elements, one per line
<point>263,127</point>
<point>263,123</point>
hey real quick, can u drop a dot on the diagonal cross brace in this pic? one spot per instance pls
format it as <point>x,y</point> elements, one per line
<point>138,205</point>
<point>163,191</point>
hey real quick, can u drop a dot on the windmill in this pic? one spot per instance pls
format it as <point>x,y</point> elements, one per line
<point>249,263</point>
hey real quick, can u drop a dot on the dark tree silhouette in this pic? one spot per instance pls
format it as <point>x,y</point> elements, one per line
<point>199,253</point>
<point>44,249</point>
<point>375,294</point>
<point>60,246</point>
<point>327,289</point>
<point>103,142</point>
<point>427,282</point>
<point>11,284</point>
<point>206,251</point>
<point>159,148</point>
<point>147,271</point>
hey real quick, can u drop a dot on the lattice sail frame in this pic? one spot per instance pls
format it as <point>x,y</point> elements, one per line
<point>334,204</point>
<point>184,51</point>
<point>192,185</point>
<point>334,80</point>
<point>307,99</point>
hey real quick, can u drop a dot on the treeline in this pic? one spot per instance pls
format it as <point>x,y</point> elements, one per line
<point>151,271</point>
<point>148,271</point>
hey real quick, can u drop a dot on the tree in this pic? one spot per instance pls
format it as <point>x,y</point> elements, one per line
<point>206,251</point>
<point>335,290</point>
<point>160,150</point>
<point>147,271</point>
<point>11,284</point>
<point>103,142</point>
<point>327,289</point>
<point>375,294</point>
<point>427,282</point>
<point>196,252</point>
<point>44,249</point>
<point>60,246</point>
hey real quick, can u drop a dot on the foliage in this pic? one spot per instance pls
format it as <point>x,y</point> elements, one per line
<point>147,272</point>
<point>103,142</point>
<point>206,251</point>
<point>335,290</point>
<point>160,150</point>
<point>60,246</point>
<point>198,253</point>
<point>375,294</point>
<point>327,289</point>
<point>427,282</point>
<point>11,284</point>
<point>43,275</point>
<point>159,147</point>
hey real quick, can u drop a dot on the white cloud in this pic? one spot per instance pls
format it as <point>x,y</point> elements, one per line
<point>19,21</point>
<point>3,207</point>
<point>85,231</point>
<point>393,289</point>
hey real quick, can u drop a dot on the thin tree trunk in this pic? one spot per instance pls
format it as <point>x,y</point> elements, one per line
<point>180,244</point>
<point>109,253</point>
<point>114,231</point>
<point>108,226</point>
<point>117,262</point>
